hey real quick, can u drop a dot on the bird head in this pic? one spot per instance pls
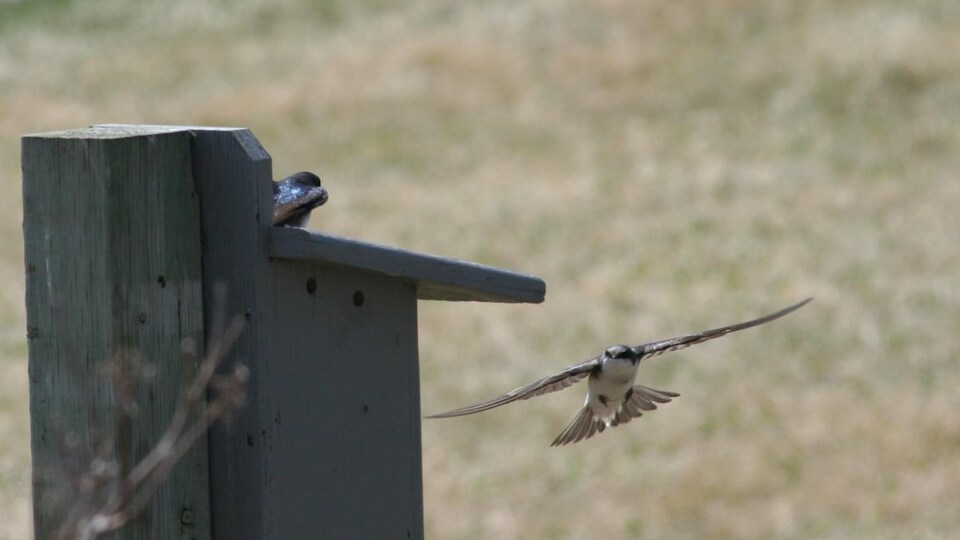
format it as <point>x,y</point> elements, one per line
<point>294,197</point>
<point>622,352</point>
<point>308,181</point>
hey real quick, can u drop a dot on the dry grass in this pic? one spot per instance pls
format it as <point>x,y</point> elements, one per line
<point>665,166</point>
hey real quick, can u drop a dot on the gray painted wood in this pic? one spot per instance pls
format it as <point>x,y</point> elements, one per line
<point>112,255</point>
<point>436,278</point>
<point>344,436</point>
<point>328,444</point>
<point>232,173</point>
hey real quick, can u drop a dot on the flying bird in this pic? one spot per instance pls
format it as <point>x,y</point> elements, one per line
<point>613,398</point>
<point>294,197</point>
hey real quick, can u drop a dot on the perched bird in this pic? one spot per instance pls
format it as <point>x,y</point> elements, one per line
<point>294,197</point>
<point>612,396</point>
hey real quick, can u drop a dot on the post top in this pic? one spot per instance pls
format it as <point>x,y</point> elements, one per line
<point>120,131</point>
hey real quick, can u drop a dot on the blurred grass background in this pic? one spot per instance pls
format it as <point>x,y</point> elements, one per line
<point>664,166</point>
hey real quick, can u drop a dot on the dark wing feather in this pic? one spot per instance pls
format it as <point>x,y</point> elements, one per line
<point>656,348</point>
<point>558,381</point>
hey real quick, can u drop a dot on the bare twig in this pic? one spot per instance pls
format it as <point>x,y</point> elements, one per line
<point>108,499</point>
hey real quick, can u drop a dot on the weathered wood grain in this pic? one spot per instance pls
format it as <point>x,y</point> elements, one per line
<point>111,222</point>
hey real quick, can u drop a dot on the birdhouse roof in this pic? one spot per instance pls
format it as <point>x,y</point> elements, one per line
<point>436,278</point>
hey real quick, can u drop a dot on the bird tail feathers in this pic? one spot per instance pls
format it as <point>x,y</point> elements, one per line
<point>584,425</point>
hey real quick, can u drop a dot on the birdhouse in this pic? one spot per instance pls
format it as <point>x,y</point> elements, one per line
<point>128,232</point>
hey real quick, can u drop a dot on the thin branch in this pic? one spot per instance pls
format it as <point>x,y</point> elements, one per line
<point>108,500</point>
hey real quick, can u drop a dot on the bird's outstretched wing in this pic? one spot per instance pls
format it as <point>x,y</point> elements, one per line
<point>558,381</point>
<point>655,348</point>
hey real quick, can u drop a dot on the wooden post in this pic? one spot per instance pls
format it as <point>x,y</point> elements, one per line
<point>328,445</point>
<point>111,222</point>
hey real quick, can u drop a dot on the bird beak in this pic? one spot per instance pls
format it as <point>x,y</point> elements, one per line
<point>321,195</point>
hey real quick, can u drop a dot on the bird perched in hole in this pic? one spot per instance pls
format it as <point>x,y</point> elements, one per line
<point>294,197</point>
<point>613,398</point>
